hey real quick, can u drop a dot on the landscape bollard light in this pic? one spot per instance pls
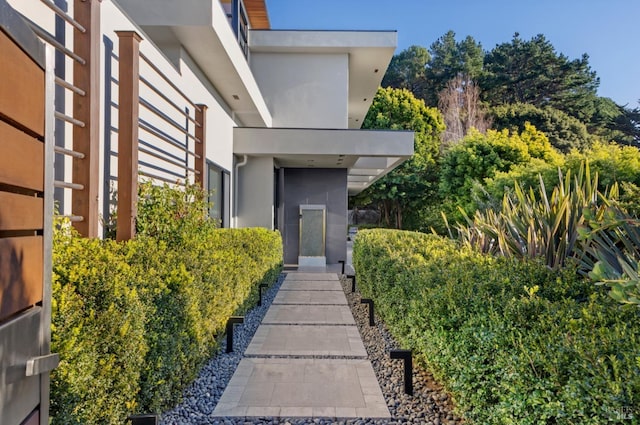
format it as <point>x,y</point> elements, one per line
<point>408,368</point>
<point>260,288</point>
<point>143,419</point>
<point>370,302</point>
<point>353,282</point>
<point>342,263</point>
<point>232,321</point>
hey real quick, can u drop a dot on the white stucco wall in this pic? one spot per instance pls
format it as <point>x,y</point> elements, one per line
<point>181,70</point>
<point>255,193</point>
<point>304,90</point>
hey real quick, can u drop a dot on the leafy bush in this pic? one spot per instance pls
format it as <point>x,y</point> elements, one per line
<point>135,321</point>
<point>613,240</point>
<point>98,327</point>
<point>535,225</point>
<point>564,131</point>
<point>482,156</point>
<point>513,341</point>
<point>614,163</point>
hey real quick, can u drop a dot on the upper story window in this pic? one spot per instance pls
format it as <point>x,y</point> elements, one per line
<point>237,14</point>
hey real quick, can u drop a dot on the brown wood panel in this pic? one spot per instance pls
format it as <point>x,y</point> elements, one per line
<point>21,158</point>
<point>20,212</point>
<point>128,114</point>
<point>258,16</point>
<point>33,418</point>
<point>86,171</point>
<point>22,88</point>
<point>257,13</point>
<point>201,146</point>
<point>21,260</point>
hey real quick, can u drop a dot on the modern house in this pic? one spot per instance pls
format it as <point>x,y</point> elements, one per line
<point>283,112</point>
<point>172,91</point>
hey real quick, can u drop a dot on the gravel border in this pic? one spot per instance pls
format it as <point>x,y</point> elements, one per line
<point>200,398</point>
<point>429,405</point>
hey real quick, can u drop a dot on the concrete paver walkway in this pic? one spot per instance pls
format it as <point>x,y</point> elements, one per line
<point>308,318</point>
<point>296,340</point>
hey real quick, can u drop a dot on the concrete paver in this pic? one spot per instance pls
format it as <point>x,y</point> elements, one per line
<point>307,341</point>
<point>308,314</point>
<point>311,276</point>
<point>304,388</point>
<point>310,297</point>
<point>311,285</point>
<point>309,317</point>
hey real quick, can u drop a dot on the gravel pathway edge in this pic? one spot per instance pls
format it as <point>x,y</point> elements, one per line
<point>429,405</point>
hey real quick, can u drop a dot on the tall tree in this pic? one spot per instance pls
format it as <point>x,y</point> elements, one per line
<point>449,59</point>
<point>406,70</point>
<point>533,72</point>
<point>415,181</point>
<point>459,103</point>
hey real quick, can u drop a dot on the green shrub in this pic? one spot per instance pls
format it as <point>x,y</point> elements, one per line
<point>512,340</point>
<point>134,322</point>
<point>98,327</point>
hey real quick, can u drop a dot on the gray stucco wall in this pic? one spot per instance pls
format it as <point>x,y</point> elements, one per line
<point>314,186</point>
<point>255,193</point>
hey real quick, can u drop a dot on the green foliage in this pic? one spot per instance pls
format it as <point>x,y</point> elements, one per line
<point>426,72</point>
<point>135,321</point>
<point>449,59</point>
<point>98,327</point>
<point>612,238</point>
<point>481,156</point>
<point>533,72</point>
<point>172,216</point>
<point>406,70</point>
<point>407,186</point>
<point>564,131</point>
<point>534,225</point>
<point>613,162</point>
<point>513,341</point>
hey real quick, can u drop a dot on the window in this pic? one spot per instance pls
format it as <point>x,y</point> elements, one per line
<point>219,187</point>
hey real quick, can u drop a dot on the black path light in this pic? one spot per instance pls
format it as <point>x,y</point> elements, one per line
<point>369,301</point>
<point>232,321</point>
<point>260,288</point>
<point>143,419</point>
<point>408,368</point>
<point>353,282</point>
<point>342,263</point>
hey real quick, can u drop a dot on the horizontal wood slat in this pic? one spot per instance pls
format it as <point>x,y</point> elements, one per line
<point>258,16</point>
<point>22,88</point>
<point>21,260</point>
<point>21,158</point>
<point>20,212</point>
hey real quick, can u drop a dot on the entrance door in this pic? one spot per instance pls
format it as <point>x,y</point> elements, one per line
<point>312,236</point>
<point>26,209</point>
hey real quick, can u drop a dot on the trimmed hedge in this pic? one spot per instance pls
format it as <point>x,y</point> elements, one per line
<point>514,342</point>
<point>134,322</point>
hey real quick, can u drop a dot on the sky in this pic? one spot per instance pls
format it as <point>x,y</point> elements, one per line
<point>607,30</point>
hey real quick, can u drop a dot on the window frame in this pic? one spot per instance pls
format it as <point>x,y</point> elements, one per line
<point>224,195</point>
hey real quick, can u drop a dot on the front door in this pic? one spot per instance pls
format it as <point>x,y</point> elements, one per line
<point>312,236</point>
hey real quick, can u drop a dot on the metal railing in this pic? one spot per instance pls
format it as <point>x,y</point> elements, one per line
<point>168,128</point>
<point>61,114</point>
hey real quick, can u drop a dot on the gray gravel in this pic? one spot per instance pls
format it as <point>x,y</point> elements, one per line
<point>200,398</point>
<point>428,406</point>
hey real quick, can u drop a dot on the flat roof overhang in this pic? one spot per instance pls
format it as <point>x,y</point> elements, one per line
<point>369,55</point>
<point>203,30</point>
<point>366,154</point>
